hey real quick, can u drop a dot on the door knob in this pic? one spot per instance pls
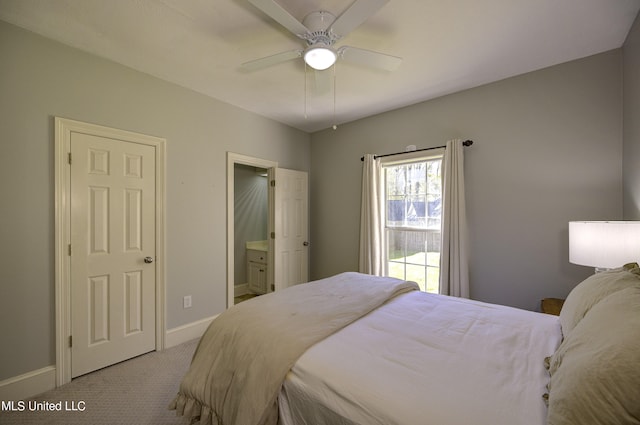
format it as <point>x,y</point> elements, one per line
<point>305,243</point>
<point>148,260</point>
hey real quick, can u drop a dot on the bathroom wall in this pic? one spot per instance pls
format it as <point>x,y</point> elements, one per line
<point>251,209</point>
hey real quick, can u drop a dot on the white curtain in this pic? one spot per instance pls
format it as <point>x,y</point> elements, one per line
<point>371,233</point>
<point>454,268</point>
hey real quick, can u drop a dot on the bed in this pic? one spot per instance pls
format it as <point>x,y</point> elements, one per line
<point>357,349</point>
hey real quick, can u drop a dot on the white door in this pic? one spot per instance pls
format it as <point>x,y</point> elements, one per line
<point>290,227</point>
<point>113,274</point>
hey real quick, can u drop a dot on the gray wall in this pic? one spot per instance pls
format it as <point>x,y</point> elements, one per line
<point>548,149</point>
<point>41,79</point>
<point>631,123</point>
<point>251,209</point>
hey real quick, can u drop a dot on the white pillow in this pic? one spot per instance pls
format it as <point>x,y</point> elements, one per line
<point>595,373</point>
<point>593,289</point>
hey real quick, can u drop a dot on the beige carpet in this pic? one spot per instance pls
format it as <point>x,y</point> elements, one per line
<point>137,391</point>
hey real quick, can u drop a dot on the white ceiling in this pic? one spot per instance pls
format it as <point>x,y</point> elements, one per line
<point>446,46</point>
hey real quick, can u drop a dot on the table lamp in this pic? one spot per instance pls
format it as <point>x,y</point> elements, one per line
<point>604,244</point>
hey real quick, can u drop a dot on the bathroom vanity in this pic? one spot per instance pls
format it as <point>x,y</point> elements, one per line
<point>257,266</point>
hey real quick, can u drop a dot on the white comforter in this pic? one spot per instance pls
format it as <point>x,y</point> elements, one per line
<point>424,359</point>
<point>245,354</point>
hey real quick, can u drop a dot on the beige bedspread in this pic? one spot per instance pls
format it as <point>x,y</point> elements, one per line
<point>245,354</point>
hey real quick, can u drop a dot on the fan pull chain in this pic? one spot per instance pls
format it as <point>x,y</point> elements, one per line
<point>305,90</point>
<point>335,126</point>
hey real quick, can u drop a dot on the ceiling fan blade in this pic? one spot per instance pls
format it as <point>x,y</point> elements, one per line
<point>280,15</point>
<point>265,62</point>
<point>355,15</point>
<point>369,58</point>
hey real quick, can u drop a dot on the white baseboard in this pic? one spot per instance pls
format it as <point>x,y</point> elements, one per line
<point>187,332</point>
<point>241,289</point>
<point>28,384</point>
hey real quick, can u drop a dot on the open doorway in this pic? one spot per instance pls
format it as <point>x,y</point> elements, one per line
<point>287,243</point>
<point>251,223</point>
<point>249,256</point>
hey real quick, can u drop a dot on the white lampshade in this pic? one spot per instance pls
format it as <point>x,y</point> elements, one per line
<point>319,56</point>
<point>604,244</point>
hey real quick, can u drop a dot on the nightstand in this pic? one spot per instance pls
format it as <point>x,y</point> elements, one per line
<point>551,305</point>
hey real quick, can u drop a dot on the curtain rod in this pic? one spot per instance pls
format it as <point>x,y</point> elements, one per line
<point>465,143</point>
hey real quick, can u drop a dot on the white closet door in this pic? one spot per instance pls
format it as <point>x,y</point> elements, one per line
<point>113,275</point>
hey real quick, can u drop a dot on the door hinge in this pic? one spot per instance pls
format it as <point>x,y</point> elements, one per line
<point>70,341</point>
<point>273,235</point>
<point>69,250</point>
<point>273,183</point>
<point>69,157</point>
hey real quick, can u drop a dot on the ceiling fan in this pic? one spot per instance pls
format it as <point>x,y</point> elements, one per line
<point>321,30</point>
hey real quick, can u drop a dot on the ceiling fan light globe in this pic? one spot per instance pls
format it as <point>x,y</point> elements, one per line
<point>320,57</point>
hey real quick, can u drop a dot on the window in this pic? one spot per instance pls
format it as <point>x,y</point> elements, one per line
<point>413,209</point>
